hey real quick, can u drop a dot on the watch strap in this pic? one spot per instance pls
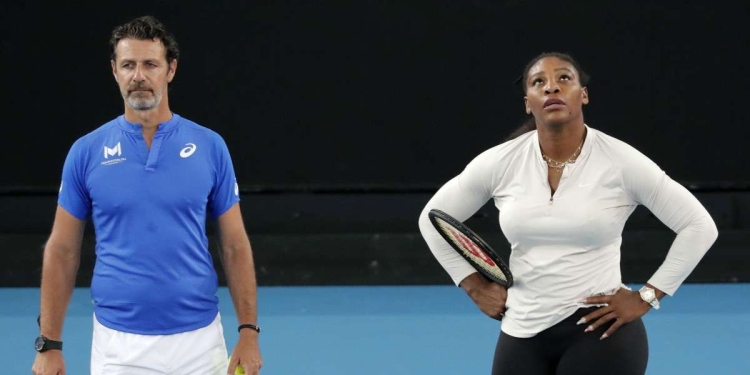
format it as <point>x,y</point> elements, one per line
<point>250,326</point>
<point>49,344</point>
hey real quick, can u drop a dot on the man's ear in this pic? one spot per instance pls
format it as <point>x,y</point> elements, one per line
<point>172,70</point>
<point>114,69</point>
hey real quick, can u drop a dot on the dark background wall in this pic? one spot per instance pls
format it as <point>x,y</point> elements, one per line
<point>342,119</point>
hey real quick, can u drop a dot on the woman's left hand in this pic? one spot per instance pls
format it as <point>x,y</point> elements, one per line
<point>622,307</point>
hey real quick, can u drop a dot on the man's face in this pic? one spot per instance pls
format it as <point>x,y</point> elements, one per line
<point>142,72</point>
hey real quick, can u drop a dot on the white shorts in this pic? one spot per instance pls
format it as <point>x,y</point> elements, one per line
<point>199,352</point>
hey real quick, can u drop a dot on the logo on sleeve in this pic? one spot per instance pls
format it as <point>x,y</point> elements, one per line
<point>188,150</point>
<point>114,152</point>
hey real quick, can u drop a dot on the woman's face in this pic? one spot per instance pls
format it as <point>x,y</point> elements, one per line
<point>553,92</point>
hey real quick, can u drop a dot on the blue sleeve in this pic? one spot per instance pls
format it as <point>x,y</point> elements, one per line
<point>74,196</point>
<point>226,191</point>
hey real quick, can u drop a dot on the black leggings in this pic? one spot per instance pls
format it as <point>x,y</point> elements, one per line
<point>565,349</point>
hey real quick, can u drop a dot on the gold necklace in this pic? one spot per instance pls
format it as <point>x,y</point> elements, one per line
<point>559,165</point>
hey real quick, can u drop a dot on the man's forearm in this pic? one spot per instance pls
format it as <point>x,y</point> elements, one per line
<point>59,270</point>
<point>240,271</point>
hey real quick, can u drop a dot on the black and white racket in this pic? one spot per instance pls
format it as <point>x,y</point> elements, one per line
<point>477,252</point>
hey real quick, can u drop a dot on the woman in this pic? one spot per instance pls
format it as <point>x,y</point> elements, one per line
<point>564,191</point>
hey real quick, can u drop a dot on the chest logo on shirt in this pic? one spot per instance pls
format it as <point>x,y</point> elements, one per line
<point>188,150</point>
<point>117,150</point>
<point>114,152</point>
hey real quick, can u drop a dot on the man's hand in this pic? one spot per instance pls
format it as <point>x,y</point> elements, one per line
<point>50,362</point>
<point>246,353</point>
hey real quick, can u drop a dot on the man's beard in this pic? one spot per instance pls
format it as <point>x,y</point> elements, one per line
<point>141,100</point>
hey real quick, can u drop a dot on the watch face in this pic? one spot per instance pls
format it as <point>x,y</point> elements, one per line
<point>648,294</point>
<point>39,343</point>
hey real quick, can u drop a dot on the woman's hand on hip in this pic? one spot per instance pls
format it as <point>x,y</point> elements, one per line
<point>489,296</point>
<point>623,307</point>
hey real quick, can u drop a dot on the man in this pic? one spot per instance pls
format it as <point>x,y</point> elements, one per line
<point>149,179</point>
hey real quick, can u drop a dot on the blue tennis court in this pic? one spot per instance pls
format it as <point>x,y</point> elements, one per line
<point>704,329</point>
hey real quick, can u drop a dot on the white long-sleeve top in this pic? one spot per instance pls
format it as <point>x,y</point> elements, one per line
<point>566,246</point>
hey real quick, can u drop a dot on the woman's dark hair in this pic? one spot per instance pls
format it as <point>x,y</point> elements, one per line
<point>530,124</point>
<point>145,28</point>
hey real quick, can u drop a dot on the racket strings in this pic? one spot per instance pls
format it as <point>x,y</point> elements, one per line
<point>471,250</point>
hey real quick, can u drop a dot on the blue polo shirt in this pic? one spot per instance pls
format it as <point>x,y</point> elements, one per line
<point>153,272</point>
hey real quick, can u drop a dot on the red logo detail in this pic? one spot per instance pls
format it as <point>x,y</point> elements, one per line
<point>472,247</point>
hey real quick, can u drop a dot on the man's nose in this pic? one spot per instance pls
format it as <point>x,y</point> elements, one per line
<point>138,76</point>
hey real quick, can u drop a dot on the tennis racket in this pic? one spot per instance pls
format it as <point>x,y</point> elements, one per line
<point>467,243</point>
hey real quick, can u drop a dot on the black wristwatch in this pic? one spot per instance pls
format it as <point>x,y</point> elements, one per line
<point>42,344</point>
